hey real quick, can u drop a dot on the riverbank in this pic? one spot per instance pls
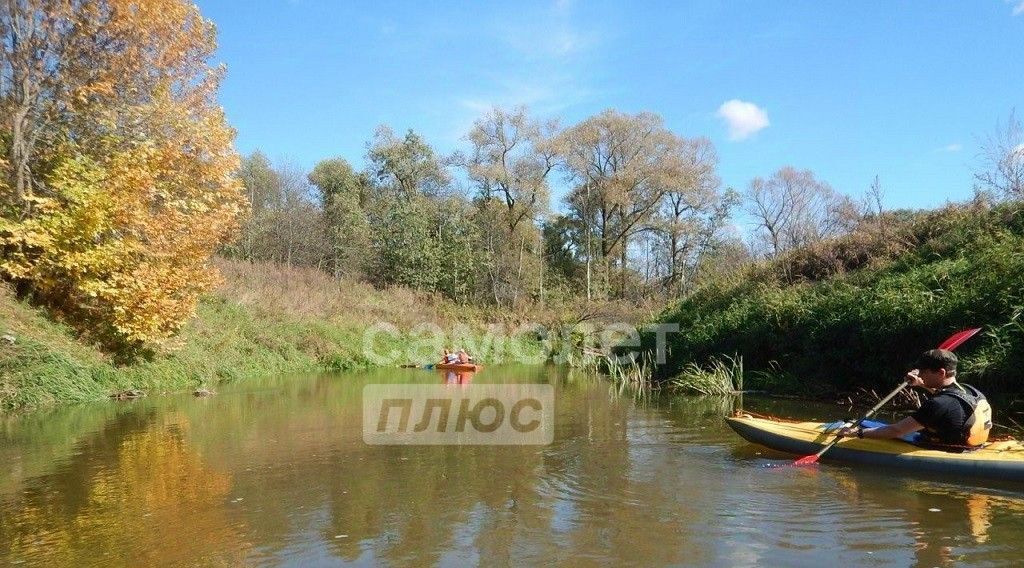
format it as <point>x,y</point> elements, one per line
<point>853,313</point>
<point>264,319</point>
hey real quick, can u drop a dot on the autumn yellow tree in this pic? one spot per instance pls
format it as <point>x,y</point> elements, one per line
<point>116,182</point>
<point>622,166</point>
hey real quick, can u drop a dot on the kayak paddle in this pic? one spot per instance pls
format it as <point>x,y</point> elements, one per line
<point>956,339</point>
<point>949,344</point>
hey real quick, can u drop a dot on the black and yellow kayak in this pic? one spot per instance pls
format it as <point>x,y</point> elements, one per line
<point>1002,460</point>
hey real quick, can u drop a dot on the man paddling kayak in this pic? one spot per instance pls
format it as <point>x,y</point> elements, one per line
<point>956,415</point>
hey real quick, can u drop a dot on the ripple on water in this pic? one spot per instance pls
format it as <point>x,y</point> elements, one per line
<point>797,509</point>
<point>567,485</point>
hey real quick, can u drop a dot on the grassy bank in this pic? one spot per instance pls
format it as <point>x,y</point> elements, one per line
<point>264,319</point>
<point>855,312</point>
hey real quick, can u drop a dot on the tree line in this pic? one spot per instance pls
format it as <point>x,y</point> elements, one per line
<point>644,213</point>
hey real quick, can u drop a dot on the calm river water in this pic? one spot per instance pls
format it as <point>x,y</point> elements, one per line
<point>276,473</point>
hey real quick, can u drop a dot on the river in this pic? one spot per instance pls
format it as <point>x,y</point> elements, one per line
<point>276,473</point>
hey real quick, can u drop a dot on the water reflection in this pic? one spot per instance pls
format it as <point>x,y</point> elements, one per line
<point>276,473</point>
<point>134,478</point>
<point>456,377</point>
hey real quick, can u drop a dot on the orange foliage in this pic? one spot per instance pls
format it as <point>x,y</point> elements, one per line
<point>138,188</point>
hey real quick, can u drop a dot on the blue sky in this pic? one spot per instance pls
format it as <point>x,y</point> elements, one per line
<point>906,90</point>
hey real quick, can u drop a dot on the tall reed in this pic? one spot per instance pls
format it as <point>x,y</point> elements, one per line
<point>723,375</point>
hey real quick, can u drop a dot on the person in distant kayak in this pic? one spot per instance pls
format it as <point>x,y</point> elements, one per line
<point>464,357</point>
<point>449,358</point>
<point>956,415</point>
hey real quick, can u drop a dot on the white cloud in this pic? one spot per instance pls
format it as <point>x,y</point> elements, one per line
<point>551,32</point>
<point>545,95</point>
<point>1019,9</point>
<point>563,5</point>
<point>547,40</point>
<point>509,95</point>
<point>552,51</point>
<point>744,119</point>
<point>952,148</point>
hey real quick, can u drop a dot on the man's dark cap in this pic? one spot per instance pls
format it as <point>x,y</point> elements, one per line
<point>936,359</point>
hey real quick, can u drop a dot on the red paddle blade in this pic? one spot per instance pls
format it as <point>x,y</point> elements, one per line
<point>956,339</point>
<point>807,460</point>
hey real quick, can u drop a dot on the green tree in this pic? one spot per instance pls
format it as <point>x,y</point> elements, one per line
<point>263,188</point>
<point>457,250</point>
<point>404,243</point>
<point>285,224</point>
<point>406,166</point>
<point>509,164</point>
<point>563,253</point>
<point>297,235</point>
<point>343,194</point>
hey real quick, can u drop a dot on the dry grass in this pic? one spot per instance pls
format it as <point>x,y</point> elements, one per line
<point>263,319</point>
<point>310,294</point>
<point>873,243</point>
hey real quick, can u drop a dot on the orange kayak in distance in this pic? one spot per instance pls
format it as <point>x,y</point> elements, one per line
<point>466,367</point>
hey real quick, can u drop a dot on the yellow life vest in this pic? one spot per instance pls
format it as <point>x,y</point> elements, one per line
<point>977,409</point>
